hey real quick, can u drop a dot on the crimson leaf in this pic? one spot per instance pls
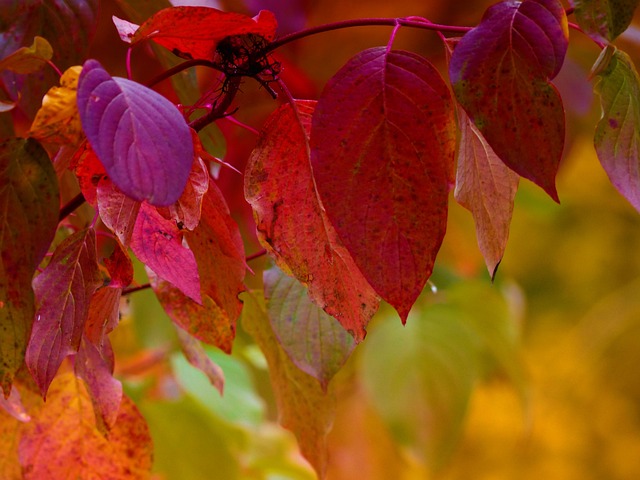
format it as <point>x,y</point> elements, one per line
<point>63,292</point>
<point>29,203</point>
<point>139,136</point>
<point>382,151</point>
<point>500,73</point>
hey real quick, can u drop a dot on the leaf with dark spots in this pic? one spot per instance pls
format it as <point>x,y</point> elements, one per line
<point>604,20</point>
<point>139,136</point>
<point>314,340</point>
<point>194,32</point>
<point>284,198</point>
<point>500,73</point>
<point>63,292</point>
<point>157,242</point>
<point>382,151</point>
<point>29,203</point>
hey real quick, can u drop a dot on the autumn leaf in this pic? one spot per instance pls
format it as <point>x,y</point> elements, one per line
<point>303,406</point>
<point>102,318</point>
<point>28,59</point>
<point>117,211</point>
<point>284,198</point>
<point>63,292</point>
<point>62,440</point>
<point>58,120</point>
<point>194,32</point>
<point>500,74</point>
<point>139,136</point>
<point>617,136</point>
<point>89,171</point>
<point>383,140</point>
<point>487,188</point>
<point>604,20</point>
<point>157,242</point>
<point>315,341</point>
<point>29,202</point>
<point>119,266</point>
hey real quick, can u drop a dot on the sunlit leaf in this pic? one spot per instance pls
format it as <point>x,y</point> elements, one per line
<point>500,73</point>
<point>303,406</point>
<point>63,292</point>
<point>58,120</point>
<point>314,340</point>
<point>618,132</point>
<point>194,32</point>
<point>29,202</point>
<point>487,188</point>
<point>62,440</point>
<point>157,242</point>
<point>28,59</point>
<point>283,197</point>
<point>604,20</point>
<point>139,136</point>
<point>383,139</point>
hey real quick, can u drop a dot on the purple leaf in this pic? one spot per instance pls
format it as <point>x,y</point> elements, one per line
<point>139,136</point>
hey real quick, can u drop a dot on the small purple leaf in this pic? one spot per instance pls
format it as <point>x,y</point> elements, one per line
<point>139,136</point>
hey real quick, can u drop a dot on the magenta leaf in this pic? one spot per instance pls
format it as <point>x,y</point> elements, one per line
<point>29,203</point>
<point>382,151</point>
<point>63,293</point>
<point>139,136</point>
<point>500,73</point>
<point>157,242</point>
<point>617,137</point>
<point>314,340</point>
<point>283,198</point>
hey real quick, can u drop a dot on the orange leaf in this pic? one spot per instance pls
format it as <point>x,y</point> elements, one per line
<point>62,440</point>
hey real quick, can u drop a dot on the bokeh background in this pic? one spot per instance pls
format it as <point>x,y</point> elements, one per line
<point>536,376</point>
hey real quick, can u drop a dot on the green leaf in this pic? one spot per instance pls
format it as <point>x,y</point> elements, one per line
<point>618,132</point>
<point>29,202</point>
<point>604,20</point>
<point>28,59</point>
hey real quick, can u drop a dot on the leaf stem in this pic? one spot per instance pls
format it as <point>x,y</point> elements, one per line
<point>71,205</point>
<point>256,255</point>
<point>179,68</point>
<point>365,22</point>
<point>144,286</point>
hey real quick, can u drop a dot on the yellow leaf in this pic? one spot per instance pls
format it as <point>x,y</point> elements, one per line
<point>58,120</point>
<point>28,59</point>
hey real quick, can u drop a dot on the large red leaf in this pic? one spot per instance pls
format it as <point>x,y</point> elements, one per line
<point>63,292</point>
<point>487,188</point>
<point>279,186</point>
<point>157,242</point>
<point>139,136</point>
<point>500,73</point>
<point>29,204</point>
<point>617,137</point>
<point>314,340</point>
<point>63,441</point>
<point>194,32</point>
<point>382,150</point>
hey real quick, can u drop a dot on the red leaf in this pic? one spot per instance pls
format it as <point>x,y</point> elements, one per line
<point>104,390</point>
<point>196,356</point>
<point>103,317</point>
<point>29,202</point>
<point>117,211</point>
<point>63,292</point>
<point>186,211</point>
<point>157,242</point>
<point>62,440</point>
<point>314,340</point>
<point>500,73</point>
<point>119,266</point>
<point>382,150</point>
<point>89,172</point>
<point>486,187</point>
<point>194,32</point>
<point>283,197</point>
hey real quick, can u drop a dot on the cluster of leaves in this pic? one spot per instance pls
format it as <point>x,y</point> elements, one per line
<point>350,195</point>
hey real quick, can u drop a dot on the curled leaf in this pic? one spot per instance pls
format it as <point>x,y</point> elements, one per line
<point>28,59</point>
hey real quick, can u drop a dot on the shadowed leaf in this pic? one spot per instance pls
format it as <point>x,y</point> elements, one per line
<point>139,136</point>
<point>283,197</point>
<point>314,340</point>
<point>383,140</point>
<point>617,137</point>
<point>63,292</point>
<point>29,202</point>
<point>500,73</point>
<point>604,20</point>
<point>28,59</point>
